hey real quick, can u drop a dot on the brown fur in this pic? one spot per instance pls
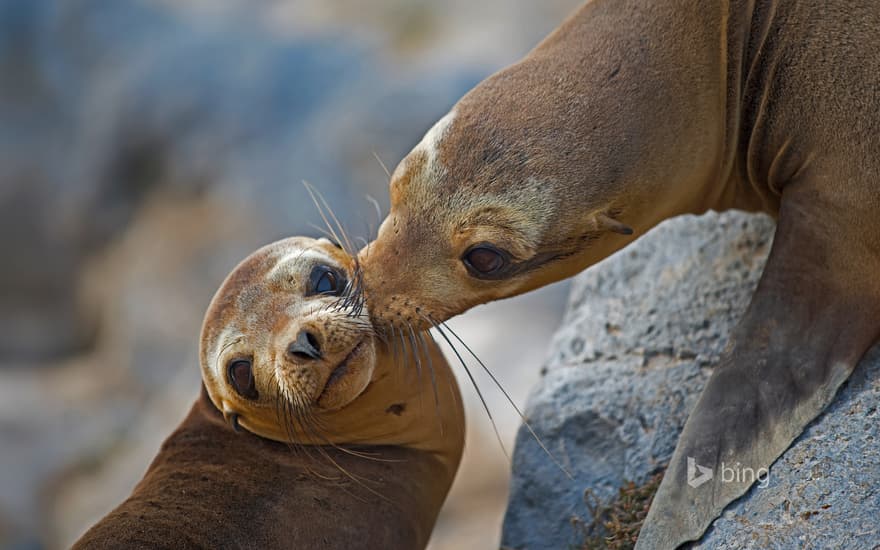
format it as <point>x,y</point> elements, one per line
<point>210,487</point>
<point>639,111</point>
<point>371,470</point>
<point>260,309</point>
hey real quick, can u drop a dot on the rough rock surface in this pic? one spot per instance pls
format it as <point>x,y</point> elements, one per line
<point>637,345</point>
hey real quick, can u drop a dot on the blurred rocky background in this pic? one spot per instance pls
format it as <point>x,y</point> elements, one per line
<point>145,147</point>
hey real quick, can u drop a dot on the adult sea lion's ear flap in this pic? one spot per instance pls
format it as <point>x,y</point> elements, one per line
<point>604,221</point>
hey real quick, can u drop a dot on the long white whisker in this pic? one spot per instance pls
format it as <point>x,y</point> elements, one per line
<point>382,164</point>
<point>477,388</point>
<point>309,188</point>
<point>339,226</point>
<point>511,401</point>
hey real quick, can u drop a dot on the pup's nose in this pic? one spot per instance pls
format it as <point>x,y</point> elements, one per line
<point>306,346</point>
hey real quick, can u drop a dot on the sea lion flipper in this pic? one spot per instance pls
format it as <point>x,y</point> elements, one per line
<point>739,427</point>
<point>814,314</point>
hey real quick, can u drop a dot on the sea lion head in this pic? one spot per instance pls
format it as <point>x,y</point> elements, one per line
<point>494,201</point>
<point>279,339</point>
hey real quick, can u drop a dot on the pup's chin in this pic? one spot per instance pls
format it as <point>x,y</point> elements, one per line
<point>349,379</point>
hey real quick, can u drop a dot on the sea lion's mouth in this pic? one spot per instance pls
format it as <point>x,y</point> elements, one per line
<point>341,369</point>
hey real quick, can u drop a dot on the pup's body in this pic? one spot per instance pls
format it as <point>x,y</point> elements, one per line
<point>632,112</point>
<point>340,443</point>
<point>210,487</point>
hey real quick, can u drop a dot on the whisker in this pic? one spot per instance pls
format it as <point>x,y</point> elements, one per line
<point>322,452</point>
<point>313,191</point>
<point>296,423</point>
<point>309,189</point>
<point>299,419</point>
<point>511,401</point>
<point>476,387</point>
<point>430,363</point>
<point>399,352</point>
<point>320,432</point>
<point>343,302</point>
<point>351,299</point>
<point>324,233</point>
<point>372,200</point>
<point>382,164</point>
<point>411,336</point>
<point>359,296</point>
<point>420,369</point>
<point>456,397</point>
<point>378,209</point>
<point>360,480</point>
<point>393,345</point>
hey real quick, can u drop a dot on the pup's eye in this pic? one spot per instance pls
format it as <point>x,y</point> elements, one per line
<point>324,280</point>
<point>241,377</point>
<point>485,259</point>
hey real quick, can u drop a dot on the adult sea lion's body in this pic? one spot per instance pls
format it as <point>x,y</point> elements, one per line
<point>632,112</point>
<point>363,458</point>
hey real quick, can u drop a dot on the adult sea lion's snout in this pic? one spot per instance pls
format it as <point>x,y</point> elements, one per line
<point>479,214</point>
<point>397,296</point>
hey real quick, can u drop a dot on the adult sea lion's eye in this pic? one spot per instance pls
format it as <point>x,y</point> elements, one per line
<point>485,259</point>
<point>326,281</point>
<point>241,377</point>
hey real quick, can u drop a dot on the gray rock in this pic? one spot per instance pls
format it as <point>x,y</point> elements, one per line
<point>637,345</point>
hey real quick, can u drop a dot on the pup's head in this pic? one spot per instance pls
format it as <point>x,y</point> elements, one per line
<point>275,342</point>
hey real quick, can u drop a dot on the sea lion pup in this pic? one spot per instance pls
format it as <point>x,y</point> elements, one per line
<point>632,112</point>
<point>341,443</point>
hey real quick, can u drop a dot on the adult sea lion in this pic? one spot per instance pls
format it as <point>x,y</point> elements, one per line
<point>340,443</point>
<point>632,112</point>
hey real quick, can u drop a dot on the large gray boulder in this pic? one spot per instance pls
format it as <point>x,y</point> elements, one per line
<point>642,332</point>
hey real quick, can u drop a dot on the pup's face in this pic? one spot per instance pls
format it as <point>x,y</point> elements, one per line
<point>277,342</point>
